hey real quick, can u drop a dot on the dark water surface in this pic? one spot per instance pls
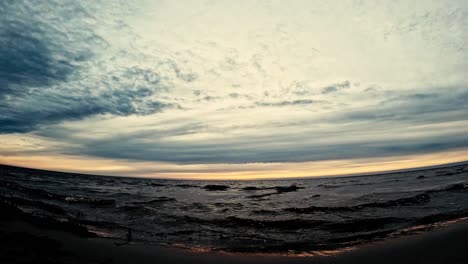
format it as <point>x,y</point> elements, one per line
<point>245,216</point>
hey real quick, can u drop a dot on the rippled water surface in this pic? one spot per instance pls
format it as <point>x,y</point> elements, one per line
<point>245,216</point>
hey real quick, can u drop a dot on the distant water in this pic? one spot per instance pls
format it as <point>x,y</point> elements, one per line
<point>246,216</point>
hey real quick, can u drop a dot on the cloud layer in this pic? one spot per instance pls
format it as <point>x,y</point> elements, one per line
<point>57,66</point>
<point>192,83</point>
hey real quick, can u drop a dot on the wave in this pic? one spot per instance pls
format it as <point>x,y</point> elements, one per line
<point>288,224</point>
<point>231,205</point>
<point>462,186</point>
<point>454,171</point>
<point>313,209</point>
<point>186,186</point>
<point>157,200</point>
<point>441,217</point>
<point>135,210</point>
<point>236,222</point>
<point>357,239</point>
<point>265,212</point>
<point>252,188</point>
<point>197,207</point>
<point>31,191</point>
<point>445,173</point>
<point>39,193</point>
<point>455,187</point>
<point>363,224</point>
<point>384,224</point>
<point>93,202</point>
<point>215,187</point>
<point>414,200</point>
<point>256,196</point>
<point>157,184</point>
<point>278,190</point>
<point>18,202</point>
<point>329,186</point>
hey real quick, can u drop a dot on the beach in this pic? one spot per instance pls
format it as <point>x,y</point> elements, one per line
<point>24,242</point>
<point>407,217</point>
<point>302,216</point>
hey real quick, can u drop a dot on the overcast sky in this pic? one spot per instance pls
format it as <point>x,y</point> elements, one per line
<point>238,89</point>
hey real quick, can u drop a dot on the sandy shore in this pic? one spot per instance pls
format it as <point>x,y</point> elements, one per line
<point>23,242</point>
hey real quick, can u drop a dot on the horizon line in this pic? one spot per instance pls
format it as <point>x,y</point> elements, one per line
<point>375,173</point>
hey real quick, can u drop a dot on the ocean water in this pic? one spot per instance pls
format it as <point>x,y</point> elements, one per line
<point>270,216</point>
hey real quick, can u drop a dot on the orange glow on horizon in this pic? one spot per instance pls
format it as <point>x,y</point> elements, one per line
<point>249,171</point>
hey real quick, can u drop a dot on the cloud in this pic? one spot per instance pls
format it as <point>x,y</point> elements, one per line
<point>336,87</point>
<point>109,80</point>
<point>29,58</point>
<point>404,125</point>
<point>27,61</point>
<point>286,103</point>
<point>50,69</point>
<point>154,145</point>
<point>436,105</point>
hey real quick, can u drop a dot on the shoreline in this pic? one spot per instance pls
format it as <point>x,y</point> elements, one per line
<point>26,242</point>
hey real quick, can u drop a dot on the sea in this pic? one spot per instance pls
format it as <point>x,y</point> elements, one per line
<point>288,216</point>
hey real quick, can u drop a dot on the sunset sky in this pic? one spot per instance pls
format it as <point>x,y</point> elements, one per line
<point>233,89</point>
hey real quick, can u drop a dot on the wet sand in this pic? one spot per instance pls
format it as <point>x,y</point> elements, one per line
<point>25,242</point>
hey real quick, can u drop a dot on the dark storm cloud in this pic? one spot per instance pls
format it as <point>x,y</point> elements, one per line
<point>45,50</point>
<point>29,112</point>
<point>26,60</point>
<point>29,58</point>
<point>35,57</point>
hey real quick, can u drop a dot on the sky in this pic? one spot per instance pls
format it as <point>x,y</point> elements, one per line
<point>233,89</point>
